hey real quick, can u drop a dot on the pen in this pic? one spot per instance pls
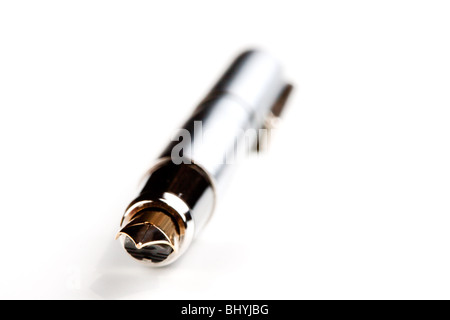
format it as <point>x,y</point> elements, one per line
<point>181,190</point>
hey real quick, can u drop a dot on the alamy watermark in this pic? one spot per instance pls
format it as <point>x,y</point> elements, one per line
<point>219,146</point>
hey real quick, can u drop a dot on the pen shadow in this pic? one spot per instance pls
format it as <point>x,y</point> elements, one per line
<point>119,276</point>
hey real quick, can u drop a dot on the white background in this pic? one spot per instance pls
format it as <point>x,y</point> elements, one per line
<point>351,201</point>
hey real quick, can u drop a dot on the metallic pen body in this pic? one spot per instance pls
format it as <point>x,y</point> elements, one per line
<point>180,193</point>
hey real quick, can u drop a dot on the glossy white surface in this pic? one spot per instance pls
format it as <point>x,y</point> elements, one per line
<point>353,197</point>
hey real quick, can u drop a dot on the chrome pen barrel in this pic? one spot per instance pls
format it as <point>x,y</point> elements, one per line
<point>180,193</point>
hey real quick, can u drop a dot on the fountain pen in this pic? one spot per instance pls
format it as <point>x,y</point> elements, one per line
<point>181,189</point>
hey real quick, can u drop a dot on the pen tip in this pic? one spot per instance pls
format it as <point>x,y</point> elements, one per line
<point>146,241</point>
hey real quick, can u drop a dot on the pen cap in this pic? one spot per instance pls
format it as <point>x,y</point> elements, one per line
<point>255,79</point>
<point>225,125</point>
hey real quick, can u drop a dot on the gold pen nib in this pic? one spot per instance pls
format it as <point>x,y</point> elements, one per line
<point>151,235</point>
